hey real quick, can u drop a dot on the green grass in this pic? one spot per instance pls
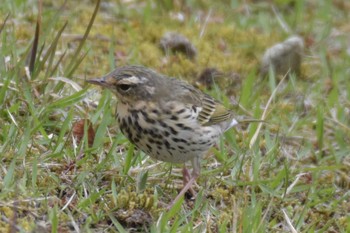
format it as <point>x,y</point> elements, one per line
<point>292,177</point>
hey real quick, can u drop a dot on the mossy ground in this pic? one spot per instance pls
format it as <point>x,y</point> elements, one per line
<point>294,177</point>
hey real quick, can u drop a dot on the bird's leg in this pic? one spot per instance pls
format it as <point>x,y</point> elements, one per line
<point>195,173</point>
<point>186,178</point>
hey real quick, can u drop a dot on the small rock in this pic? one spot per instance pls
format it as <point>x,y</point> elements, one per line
<point>206,78</point>
<point>175,42</point>
<point>135,218</point>
<point>283,56</point>
<point>225,80</point>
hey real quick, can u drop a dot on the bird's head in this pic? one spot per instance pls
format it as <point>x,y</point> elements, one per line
<point>130,83</point>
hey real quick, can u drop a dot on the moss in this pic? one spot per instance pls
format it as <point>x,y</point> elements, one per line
<point>222,46</point>
<point>128,199</point>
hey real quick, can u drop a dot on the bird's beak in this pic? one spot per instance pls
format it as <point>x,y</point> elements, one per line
<point>98,81</point>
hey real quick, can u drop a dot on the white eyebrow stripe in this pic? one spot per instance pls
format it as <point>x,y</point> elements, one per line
<point>132,80</point>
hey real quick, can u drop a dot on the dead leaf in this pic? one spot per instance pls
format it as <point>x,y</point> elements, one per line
<point>78,131</point>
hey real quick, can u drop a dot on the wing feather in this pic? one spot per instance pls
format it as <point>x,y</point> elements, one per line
<point>212,111</point>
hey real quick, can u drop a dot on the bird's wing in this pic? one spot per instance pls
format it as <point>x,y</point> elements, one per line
<point>211,111</point>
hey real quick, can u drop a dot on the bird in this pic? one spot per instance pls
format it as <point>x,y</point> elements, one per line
<point>167,118</point>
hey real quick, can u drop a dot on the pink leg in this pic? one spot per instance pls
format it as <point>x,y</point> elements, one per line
<point>195,173</point>
<point>186,178</point>
<point>185,175</point>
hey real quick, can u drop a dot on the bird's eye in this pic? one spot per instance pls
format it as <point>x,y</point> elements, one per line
<point>124,87</point>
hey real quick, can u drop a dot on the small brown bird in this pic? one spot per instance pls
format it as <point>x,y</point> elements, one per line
<point>166,118</point>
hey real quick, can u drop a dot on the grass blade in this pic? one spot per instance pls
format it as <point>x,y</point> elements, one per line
<point>75,61</point>
<point>36,39</point>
